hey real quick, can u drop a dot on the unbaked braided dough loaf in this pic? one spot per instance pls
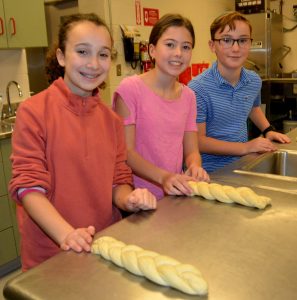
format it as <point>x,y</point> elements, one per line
<point>229,194</point>
<point>158,268</point>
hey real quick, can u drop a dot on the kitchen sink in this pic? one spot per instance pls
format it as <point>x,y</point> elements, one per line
<point>9,120</point>
<point>281,164</point>
<point>5,129</point>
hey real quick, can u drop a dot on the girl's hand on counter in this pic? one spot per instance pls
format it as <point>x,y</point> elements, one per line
<point>177,184</point>
<point>140,199</point>
<point>79,239</point>
<point>198,173</point>
<point>278,137</point>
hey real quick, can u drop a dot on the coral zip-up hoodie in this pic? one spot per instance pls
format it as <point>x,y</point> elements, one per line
<point>74,148</point>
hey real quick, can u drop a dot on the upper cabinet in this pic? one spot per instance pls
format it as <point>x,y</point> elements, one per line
<point>22,24</point>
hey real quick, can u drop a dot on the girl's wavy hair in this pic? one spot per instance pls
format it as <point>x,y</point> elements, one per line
<point>52,68</point>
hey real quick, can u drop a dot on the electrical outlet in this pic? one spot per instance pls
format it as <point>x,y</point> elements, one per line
<point>119,70</point>
<point>295,10</point>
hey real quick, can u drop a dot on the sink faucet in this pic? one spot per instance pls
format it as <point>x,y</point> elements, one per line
<point>8,95</point>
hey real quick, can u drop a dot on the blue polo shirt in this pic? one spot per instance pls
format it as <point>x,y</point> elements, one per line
<point>225,109</point>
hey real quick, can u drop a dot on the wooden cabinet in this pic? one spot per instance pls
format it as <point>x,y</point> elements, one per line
<point>22,24</point>
<point>9,235</point>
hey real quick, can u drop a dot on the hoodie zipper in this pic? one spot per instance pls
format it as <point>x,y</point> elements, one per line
<point>84,129</point>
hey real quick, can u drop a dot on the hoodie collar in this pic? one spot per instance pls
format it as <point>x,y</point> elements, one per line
<point>75,103</point>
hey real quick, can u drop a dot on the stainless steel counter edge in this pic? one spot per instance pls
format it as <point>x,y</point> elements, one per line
<point>243,253</point>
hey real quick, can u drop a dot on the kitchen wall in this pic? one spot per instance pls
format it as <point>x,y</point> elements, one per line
<point>117,12</point>
<point>289,21</point>
<point>53,14</point>
<point>13,63</point>
<point>13,66</point>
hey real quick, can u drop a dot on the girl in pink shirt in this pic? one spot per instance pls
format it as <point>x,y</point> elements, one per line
<point>160,113</point>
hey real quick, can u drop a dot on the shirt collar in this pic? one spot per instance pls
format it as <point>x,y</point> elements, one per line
<point>222,81</point>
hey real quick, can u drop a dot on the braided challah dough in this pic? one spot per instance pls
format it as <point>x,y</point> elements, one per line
<point>158,268</point>
<point>228,194</point>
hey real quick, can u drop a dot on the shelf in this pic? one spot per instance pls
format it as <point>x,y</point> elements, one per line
<point>280,80</point>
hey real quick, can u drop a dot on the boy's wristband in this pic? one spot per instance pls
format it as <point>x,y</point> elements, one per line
<point>269,128</point>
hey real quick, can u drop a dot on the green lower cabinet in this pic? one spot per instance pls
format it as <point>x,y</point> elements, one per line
<point>9,234</point>
<point>6,149</point>
<point>8,251</point>
<point>5,218</point>
<point>15,226</point>
<point>3,189</point>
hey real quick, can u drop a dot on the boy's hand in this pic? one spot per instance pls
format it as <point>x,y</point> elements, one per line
<point>79,239</point>
<point>259,145</point>
<point>278,137</point>
<point>140,199</point>
<point>198,173</point>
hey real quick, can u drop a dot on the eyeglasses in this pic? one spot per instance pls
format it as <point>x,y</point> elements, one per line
<point>228,42</point>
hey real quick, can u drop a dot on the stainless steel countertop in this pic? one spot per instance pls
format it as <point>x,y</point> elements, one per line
<point>5,130</point>
<point>228,176</point>
<point>243,253</point>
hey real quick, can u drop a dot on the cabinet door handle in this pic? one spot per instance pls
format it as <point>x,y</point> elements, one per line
<point>1,26</point>
<point>12,21</point>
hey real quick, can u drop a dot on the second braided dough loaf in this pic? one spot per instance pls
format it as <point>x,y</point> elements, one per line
<point>158,268</point>
<point>229,194</point>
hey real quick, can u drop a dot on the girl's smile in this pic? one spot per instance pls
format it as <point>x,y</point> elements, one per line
<point>87,57</point>
<point>173,51</point>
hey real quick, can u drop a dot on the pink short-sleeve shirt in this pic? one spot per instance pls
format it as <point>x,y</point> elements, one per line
<point>160,125</point>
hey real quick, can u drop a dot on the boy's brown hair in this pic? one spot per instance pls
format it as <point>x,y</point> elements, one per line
<point>227,19</point>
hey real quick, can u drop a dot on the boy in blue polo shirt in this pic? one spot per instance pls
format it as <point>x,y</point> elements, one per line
<point>227,95</point>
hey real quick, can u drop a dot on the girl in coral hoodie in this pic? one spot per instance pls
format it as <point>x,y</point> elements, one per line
<point>69,158</point>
